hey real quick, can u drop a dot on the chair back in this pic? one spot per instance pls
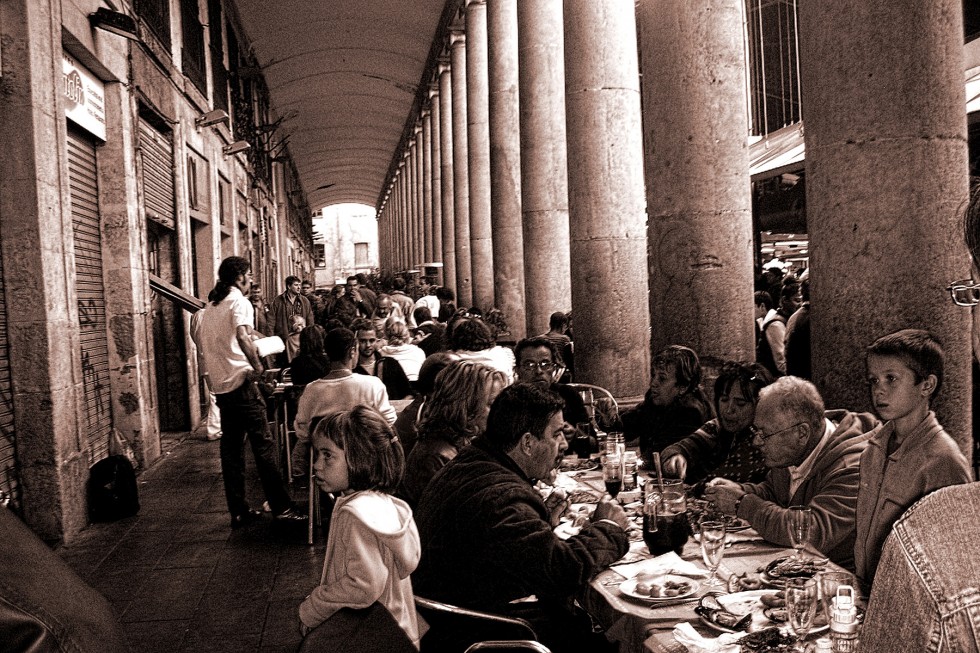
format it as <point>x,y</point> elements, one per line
<point>452,629</point>
<point>365,630</point>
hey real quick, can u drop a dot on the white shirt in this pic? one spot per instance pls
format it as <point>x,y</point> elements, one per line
<point>799,474</point>
<point>216,335</point>
<point>333,394</point>
<point>409,356</point>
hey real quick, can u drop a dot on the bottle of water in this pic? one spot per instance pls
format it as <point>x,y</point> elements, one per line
<point>843,621</point>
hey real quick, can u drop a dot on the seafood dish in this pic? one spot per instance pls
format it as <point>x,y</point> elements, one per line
<point>716,615</point>
<point>700,510</point>
<point>751,611</point>
<point>583,496</point>
<point>767,640</point>
<point>578,465</point>
<point>776,572</point>
<point>659,587</point>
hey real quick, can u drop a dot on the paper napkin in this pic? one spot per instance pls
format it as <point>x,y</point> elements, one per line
<point>685,634</point>
<point>668,563</point>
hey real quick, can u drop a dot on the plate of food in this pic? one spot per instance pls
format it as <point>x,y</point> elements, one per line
<point>750,611</point>
<point>583,496</point>
<point>776,572</point>
<point>578,465</point>
<point>701,510</point>
<point>659,588</point>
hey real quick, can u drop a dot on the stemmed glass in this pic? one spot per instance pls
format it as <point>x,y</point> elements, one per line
<point>800,525</point>
<point>801,607</point>
<point>713,549</point>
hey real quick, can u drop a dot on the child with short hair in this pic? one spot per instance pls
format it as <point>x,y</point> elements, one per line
<point>373,543</point>
<point>909,455</point>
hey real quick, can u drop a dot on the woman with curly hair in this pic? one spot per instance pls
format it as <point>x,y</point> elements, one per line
<point>454,415</point>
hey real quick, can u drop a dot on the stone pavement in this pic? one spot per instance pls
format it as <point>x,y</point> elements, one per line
<point>180,579</point>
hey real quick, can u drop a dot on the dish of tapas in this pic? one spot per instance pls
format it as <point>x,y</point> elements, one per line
<point>750,612</point>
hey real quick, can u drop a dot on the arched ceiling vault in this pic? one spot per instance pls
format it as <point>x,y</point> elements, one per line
<point>349,78</point>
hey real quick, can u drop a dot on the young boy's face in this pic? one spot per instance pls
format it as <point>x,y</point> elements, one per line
<point>330,466</point>
<point>894,391</point>
<point>664,388</point>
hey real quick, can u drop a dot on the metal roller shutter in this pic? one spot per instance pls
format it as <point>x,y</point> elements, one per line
<point>83,186</point>
<point>9,472</point>
<point>158,175</point>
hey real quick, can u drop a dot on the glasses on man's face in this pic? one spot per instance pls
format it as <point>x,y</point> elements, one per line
<point>965,292</point>
<point>763,437</point>
<point>544,366</point>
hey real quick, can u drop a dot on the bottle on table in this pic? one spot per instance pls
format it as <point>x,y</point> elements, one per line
<point>843,621</point>
<point>629,470</point>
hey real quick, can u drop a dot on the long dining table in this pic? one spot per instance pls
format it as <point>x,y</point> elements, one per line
<point>641,626</point>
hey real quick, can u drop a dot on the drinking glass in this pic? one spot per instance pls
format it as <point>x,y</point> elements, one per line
<point>829,582</point>
<point>665,524</point>
<point>612,474</point>
<point>801,607</point>
<point>800,525</point>
<point>713,549</point>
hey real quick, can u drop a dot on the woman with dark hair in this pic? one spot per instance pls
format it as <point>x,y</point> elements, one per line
<point>454,414</point>
<point>674,406</point>
<point>723,446</point>
<point>472,340</point>
<point>311,363</point>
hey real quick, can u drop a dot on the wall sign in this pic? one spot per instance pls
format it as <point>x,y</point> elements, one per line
<point>84,97</point>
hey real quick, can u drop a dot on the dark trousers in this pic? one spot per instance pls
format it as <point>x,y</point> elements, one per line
<point>243,416</point>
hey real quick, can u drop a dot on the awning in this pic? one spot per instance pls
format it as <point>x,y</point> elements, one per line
<point>777,152</point>
<point>177,295</point>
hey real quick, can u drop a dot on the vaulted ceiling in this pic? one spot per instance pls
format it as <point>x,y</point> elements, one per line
<point>344,75</point>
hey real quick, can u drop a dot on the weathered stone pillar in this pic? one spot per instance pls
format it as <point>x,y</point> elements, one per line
<point>448,177</point>
<point>420,233</point>
<point>544,174</point>
<point>436,169</point>
<point>413,200</point>
<point>886,178</point>
<point>695,129</point>
<point>505,164</point>
<point>461,182</point>
<point>427,186</point>
<point>403,208</point>
<point>478,138</point>
<point>606,197</point>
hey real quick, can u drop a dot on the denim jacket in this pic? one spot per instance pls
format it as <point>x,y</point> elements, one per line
<point>926,594</point>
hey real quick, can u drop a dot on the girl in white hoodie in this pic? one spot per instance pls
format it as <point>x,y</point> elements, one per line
<point>373,544</point>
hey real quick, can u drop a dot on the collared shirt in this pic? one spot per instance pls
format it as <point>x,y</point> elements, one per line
<point>216,335</point>
<point>800,473</point>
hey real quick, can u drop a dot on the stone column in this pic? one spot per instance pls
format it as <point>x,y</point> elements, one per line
<point>505,164</point>
<point>413,200</point>
<point>478,138</point>
<point>436,170</point>
<point>403,210</point>
<point>544,174</point>
<point>464,275</point>
<point>695,130</point>
<point>448,177</point>
<point>427,186</point>
<point>886,180</point>
<point>420,233</point>
<point>606,197</point>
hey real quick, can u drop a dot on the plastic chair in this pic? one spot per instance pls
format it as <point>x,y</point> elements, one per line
<point>454,629</point>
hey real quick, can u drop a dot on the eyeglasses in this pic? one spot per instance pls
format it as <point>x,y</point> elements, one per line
<point>965,292</point>
<point>757,432</point>
<point>544,366</point>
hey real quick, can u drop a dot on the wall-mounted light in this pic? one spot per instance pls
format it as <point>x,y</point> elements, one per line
<point>215,117</point>
<point>236,148</point>
<point>115,22</point>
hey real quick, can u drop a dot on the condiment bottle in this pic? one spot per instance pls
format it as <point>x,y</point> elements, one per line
<point>615,443</point>
<point>843,621</point>
<point>629,470</point>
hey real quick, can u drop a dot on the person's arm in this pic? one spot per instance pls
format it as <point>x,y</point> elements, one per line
<point>244,335</point>
<point>362,580</point>
<point>776,335</point>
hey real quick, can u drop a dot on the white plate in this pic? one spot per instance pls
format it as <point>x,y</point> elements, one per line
<point>628,587</point>
<point>742,603</point>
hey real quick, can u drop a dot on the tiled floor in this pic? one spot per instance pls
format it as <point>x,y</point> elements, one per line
<point>181,580</point>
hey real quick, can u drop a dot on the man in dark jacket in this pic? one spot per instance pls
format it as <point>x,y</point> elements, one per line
<point>487,535</point>
<point>812,456</point>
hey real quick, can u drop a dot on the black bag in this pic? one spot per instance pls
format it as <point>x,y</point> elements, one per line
<point>112,492</point>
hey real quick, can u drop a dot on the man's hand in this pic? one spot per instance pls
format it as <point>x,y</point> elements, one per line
<point>724,494</point>
<point>556,503</point>
<point>612,511</point>
<point>676,466</point>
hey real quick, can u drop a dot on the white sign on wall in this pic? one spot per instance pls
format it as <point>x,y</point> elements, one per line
<point>84,97</point>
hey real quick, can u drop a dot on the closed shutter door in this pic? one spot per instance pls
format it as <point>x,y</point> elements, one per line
<point>9,473</point>
<point>156,152</point>
<point>97,423</point>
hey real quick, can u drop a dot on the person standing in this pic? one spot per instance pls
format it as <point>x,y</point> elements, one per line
<point>224,337</point>
<point>291,302</point>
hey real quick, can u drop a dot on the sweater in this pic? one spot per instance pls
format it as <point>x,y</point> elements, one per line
<point>372,547</point>
<point>830,491</point>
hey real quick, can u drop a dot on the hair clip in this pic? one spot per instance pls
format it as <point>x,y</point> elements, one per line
<point>394,438</point>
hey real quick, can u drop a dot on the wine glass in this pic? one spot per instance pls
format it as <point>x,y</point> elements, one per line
<point>713,549</point>
<point>800,525</point>
<point>612,474</point>
<point>801,607</point>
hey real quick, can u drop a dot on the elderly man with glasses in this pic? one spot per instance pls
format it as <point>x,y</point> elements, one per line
<point>812,456</point>
<point>538,362</point>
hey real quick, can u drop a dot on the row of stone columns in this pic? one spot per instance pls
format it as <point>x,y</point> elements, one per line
<point>554,192</point>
